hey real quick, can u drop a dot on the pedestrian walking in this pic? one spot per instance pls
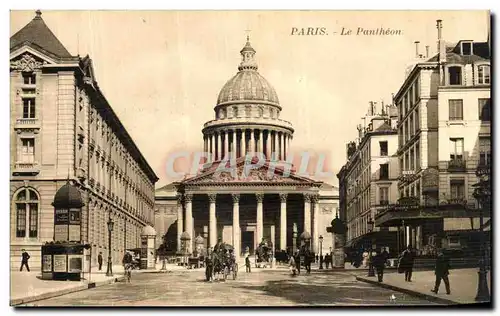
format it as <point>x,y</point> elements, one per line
<point>365,258</point>
<point>247,264</point>
<point>293,266</point>
<point>99,261</point>
<point>442,270</point>
<point>327,260</point>
<point>297,261</point>
<point>24,260</point>
<point>379,264</point>
<point>209,266</point>
<point>127,265</point>
<point>406,261</point>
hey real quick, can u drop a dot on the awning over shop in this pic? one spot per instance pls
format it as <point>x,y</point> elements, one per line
<point>377,238</point>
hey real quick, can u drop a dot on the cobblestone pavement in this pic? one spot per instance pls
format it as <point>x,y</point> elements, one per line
<point>259,288</point>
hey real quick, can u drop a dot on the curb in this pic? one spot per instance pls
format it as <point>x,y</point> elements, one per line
<point>44,296</point>
<point>427,297</point>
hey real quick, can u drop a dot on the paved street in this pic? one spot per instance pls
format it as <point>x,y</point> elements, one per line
<point>260,288</point>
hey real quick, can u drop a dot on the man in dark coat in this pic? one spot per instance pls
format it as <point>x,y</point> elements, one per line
<point>209,266</point>
<point>24,260</point>
<point>297,261</point>
<point>379,263</point>
<point>407,259</point>
<point>442,271</point>
<point>99,261</point>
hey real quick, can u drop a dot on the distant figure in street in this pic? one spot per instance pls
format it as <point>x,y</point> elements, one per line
<point>247,264</point>
<point>365,258</point>
<point>307,261</point>
<point>24,260</point>
<point>379,264</point>
<point>99,261</point>
<point>297,261</point>
<point>406,261</point>
<point>317,259</point>
<point>293,266</point>
<point>209,266</point>
<point>442,270</point>
<point>327,260</point>
<point>127,265</point>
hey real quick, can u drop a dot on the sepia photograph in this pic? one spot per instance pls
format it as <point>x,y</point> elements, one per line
<point>163,158</point>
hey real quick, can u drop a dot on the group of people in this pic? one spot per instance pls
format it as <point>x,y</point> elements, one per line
<point>295,262</point>
<point>326,259</point>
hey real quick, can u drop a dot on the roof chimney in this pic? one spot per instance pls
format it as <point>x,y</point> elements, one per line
<point>441,44</point>
<point>427,51</point>
<point>416,49</point>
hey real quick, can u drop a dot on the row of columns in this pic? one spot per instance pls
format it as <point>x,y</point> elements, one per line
<point>239,142</point>
<point>310,202</point>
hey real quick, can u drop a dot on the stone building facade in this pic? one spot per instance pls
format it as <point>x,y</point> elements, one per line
<point>444,136</point>
<point>369,179</point>
<point>62,127</point>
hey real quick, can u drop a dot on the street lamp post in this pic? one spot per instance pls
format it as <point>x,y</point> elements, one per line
<point>321,252</point>
<point>110,223</point>
<point>371,272</point>
<point>482,193</point>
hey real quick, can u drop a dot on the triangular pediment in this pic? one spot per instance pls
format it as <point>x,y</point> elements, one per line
<point>27,62</point>
<point>241,173</point>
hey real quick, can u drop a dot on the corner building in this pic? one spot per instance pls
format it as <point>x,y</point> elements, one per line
<point>63,128</point>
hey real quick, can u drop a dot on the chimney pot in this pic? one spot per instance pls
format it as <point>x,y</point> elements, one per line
<point>427,51</point>
<point>416,49</point>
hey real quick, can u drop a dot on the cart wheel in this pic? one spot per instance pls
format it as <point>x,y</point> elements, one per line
<point>235,271</point>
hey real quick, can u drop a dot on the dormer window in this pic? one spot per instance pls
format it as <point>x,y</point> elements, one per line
<point>483,74</point>
<point>455,75</point>
<point>466,48</point>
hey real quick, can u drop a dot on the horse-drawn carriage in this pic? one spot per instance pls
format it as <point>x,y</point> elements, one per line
<point>223,261</point>
<point>264,254</point>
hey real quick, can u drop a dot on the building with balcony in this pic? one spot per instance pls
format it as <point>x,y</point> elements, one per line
<point>444,135</point>
<point>63,128</point>
<point>368,181</point>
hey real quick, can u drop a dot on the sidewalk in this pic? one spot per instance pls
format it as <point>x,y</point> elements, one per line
<point>27,287</point>
<point>463,283</point>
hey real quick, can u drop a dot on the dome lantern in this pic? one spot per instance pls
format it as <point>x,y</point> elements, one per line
<point>247,55</point>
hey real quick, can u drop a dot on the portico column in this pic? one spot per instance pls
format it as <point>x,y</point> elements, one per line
<point>212,221</point>
<point>240,145</point>
<point>218,150</point>
<point>315,232</point>
<point>260,217</point>
<point>280,142</point>
<point>268,144</point>
<point>236,224</point>
<point>283,197</point>
<point>307,212</point>
<point>180,221</point>
<point>188,199</point>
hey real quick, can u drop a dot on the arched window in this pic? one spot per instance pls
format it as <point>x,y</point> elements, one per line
<point>261,112</point>
<point>483,74</point>
<point>235,111</point>
<point>27,205</point>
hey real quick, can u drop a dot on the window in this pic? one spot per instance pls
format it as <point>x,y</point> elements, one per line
<point>384,171</point>
<point>27,213</point>
<point>417,122</point>
<point>28,150</point>
<point>467,49</point>
<point>383,148</point>
<point>247,111</point>
<point>483,74</point>
<point>456,110</point>
<point>456,148</point>
<point>484,151</point>
<point>484,110</point>
<point>28,108</point>
<point>384,196</point>
<point>29,78</point>
<point>455,75</point>
<point>235,111</point>
<point>417,156</point>
<point>457,189</point>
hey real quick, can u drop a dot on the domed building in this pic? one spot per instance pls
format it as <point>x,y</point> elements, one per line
<point>241,206</point>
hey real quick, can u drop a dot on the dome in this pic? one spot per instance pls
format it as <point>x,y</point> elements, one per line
<point>68,196</point>
<point>148,231</point>
<point>248,86</point>
<point>305,235</point>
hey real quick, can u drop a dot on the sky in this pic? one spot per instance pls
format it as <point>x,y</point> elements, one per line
<point>161,71</point>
